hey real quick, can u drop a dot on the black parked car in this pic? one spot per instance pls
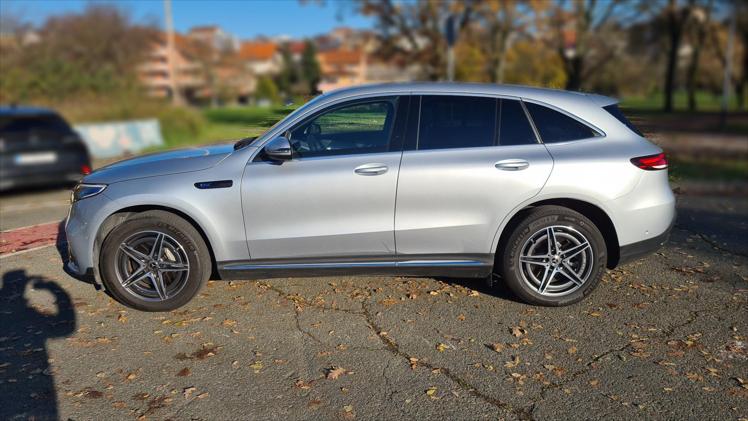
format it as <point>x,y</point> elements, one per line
<point>39,148</point>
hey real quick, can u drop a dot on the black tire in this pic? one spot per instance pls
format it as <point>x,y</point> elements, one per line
<point>192,244</point>
<point>534,221</point>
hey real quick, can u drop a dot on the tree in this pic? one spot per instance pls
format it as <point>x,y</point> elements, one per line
<point>266,89</point>
<point>310,70</point>
<point>414,31</point>
<point>289,73</point>
<point>94,52</point>
<point>700,26</point>
<point>580,36</point>
<point>676,16</point>
<point>501,22</point>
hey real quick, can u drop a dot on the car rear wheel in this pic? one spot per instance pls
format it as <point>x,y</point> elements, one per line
<point>554,257</point>
<point>154,261</point>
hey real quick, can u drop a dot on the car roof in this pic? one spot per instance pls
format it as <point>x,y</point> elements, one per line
<point>519,91</point>
<point>16,110</point>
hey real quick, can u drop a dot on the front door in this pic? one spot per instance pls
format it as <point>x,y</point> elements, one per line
<point>336,197</point>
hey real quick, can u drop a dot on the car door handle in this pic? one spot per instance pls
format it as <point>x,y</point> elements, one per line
<point>371,169</point>
<point>512,164</point>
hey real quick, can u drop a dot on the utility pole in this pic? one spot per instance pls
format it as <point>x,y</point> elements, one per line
<point>727,76</point>
<point>176,96</point>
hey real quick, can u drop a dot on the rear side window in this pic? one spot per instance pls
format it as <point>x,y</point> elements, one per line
<point>616,112</point>
<point>456,122</point>
<point>514,128</point>
<point>28,123</point>
<point>554,126</point>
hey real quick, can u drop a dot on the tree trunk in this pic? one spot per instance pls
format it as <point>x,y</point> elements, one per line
<point>574,69</point>
<point>674,32</point>
<point>692,73</point>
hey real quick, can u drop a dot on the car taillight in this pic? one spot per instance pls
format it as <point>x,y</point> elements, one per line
<point>651,162</point>
<point>85,169</point>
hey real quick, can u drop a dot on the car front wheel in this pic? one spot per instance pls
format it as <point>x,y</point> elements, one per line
<point>154,261</point>
<point>555,256</point>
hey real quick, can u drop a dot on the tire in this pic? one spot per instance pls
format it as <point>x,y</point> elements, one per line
<point>182,261</point>
<point>573,269</point>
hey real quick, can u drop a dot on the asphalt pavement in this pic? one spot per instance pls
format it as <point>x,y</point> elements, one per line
<point>662,338</point>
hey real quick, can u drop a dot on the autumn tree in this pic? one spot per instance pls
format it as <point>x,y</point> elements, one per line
<point>580,33</point>
<point>415,30</point>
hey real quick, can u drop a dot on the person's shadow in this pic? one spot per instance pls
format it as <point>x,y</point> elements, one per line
<point>27,387</point>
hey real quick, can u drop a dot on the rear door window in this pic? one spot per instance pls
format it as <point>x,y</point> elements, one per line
<point>456,122</point>
<point>49,122</point>
<point>554,126</point>
<point>514,128</point>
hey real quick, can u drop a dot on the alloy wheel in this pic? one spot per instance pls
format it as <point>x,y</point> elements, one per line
<point>556,261</point>
<point>152,265</point>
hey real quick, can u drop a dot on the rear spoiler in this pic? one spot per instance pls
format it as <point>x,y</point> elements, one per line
<point>602,100</point>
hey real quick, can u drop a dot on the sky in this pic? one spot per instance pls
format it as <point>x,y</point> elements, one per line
<point>243,18</point>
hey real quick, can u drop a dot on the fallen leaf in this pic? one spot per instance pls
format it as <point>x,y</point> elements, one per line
<point>335,372</point>
<point>513,363</point>
<point>498,347</point>
<point>518,331</point>
<point>184,372</point>
<point>441,347</point>
<point>256,366</point>
<point>188,391</point>
<point>301,384</point>
<point>431,391</point>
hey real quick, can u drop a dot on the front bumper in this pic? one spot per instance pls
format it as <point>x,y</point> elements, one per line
<point>81,228</point>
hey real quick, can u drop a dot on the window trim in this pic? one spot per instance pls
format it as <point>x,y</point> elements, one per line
<point>394,100</point>
<point>597,132</point>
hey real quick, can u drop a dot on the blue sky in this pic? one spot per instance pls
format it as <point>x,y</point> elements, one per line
<point>243,18</point>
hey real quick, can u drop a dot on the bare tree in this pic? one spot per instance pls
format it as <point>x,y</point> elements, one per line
<point>415,30</point>
<point>676,16</point>
<point>700,25</point>
<point>579,35</point>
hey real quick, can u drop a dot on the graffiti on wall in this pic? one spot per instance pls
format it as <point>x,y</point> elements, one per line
<point>107,140</point>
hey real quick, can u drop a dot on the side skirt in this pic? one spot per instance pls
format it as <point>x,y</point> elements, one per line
<point>462,266</point>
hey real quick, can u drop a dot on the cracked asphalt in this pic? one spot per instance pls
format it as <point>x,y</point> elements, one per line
<point>665,337</point>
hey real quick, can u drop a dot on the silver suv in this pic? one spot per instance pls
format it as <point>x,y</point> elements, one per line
<point>544,189</point>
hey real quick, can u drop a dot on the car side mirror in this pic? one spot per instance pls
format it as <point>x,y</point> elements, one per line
<point>278,149</point>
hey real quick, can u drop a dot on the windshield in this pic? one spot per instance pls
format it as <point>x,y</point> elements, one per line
<point>252,141</point>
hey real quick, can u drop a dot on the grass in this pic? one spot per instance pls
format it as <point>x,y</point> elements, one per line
<point>708,169</point>
<point>705,101</point>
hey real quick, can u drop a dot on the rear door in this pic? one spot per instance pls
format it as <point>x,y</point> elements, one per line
<point>470,162</point>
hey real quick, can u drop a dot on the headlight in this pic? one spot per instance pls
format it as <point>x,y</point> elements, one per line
<point>82,191</point>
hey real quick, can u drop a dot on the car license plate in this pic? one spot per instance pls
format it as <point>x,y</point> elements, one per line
<point>36,158</point>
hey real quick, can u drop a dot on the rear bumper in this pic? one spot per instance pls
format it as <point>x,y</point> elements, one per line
<point>58,177</point>
<point>634,251</point>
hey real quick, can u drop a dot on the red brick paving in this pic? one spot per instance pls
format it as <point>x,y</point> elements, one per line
<point>25,238</point>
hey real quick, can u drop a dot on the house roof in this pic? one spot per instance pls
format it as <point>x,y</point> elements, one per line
<point>257,50</point>
<point>341,57</point>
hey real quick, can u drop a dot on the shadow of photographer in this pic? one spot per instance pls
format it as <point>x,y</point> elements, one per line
<point>27,386</point>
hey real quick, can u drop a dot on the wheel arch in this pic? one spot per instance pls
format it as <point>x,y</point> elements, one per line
<point>594,213</point>
<point>121,215</point>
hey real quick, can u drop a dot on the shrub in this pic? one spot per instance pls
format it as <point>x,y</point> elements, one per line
<point>180,125</point>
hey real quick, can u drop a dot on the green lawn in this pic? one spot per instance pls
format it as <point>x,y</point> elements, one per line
<point>705,101</point>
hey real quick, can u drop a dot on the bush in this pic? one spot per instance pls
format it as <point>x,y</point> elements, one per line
<point>180,125</point>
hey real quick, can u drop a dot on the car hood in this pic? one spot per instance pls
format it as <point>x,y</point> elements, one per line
<point>172,162</point>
